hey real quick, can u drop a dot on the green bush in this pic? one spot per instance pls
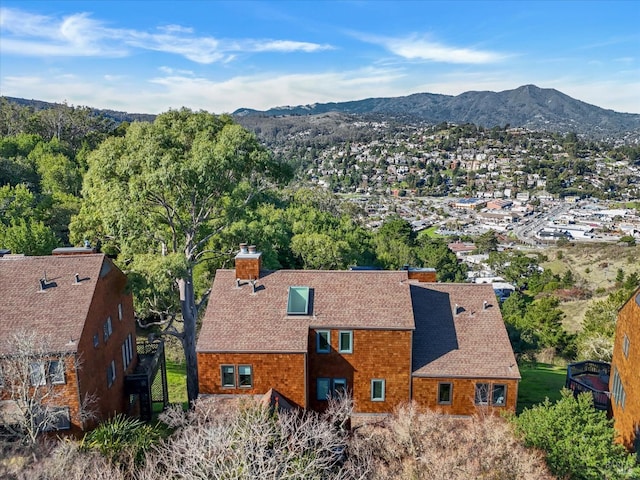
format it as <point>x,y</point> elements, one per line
<point>121,437</point>
<point>577,438</point>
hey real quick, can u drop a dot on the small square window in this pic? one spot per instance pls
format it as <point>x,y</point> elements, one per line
<point>56,372</point>
<point>377,390</point>
<point>36,374</point>
<point>482,393</point>
<point>228,376</point>
<point>346,342</point>
<point>445,391</point>
<point>339,386</point>
<point>322,388</point>
<point>323,341</point>
<point>499,395</point>
<point>245,377</point>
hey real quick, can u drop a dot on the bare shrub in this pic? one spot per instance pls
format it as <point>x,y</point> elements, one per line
<point>420,444</point>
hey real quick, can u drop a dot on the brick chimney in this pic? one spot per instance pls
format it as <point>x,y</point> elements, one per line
<point>427,275</point>
<point>248,263</point>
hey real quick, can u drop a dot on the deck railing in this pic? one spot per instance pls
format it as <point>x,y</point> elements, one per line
<point>578,381</point>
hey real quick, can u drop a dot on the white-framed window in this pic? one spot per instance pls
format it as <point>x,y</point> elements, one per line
<point>127,352</point>
<point>119,311</point>
<point>377,390</point>
<point>245,376</point>
<point>108,329</point>
<point>328,387</point>
<point>625,346</point>
<point>56,372</point>
<point>37,374</point>
<point>228,376</point>
<point>111,373</point>
<point>482,393</point>
<point>445,393</point>
<point>346,341</point>
<point>323,341</point>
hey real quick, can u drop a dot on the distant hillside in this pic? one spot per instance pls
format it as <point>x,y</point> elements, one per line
<point>117,116</point>
<point>527,106</point>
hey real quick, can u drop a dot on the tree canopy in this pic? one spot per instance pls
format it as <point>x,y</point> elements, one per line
<point>166,189</point>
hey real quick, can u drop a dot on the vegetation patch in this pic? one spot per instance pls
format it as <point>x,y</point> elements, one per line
<point>540,381</point>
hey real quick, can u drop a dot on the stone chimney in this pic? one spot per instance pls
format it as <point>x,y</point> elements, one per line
<point>248,263</point>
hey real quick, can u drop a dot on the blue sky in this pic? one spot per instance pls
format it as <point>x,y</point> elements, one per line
<point>147,57</point>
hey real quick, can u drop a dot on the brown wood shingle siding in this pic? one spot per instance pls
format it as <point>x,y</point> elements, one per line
<point>281,371</point>
<point>627,418</point>
<point>377,354</point>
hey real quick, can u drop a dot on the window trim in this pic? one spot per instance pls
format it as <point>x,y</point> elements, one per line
<point>625,345</point>
<point>240,385</point>
<point>350,336</point>
<point>233,376</point>
<point>504,394</point>
<point>445,402</point>
<point>319,334</point>
<point>479,386</point>
<point>107,329</point>
<point>62,419</point>
<point>58,376</point>
<point>298,300</point>
<point>111,374</point>
<point>382,396</point>
<point>323,380</point>
<point>39,369</point>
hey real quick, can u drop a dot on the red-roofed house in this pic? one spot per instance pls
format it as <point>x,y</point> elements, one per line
<point>77,303</point>
<point>388,337</point>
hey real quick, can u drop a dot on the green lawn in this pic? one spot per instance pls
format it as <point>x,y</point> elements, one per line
<point>177,382</point>
<point>539,380</point>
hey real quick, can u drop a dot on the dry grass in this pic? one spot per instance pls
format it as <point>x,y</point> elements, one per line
<point>596,266</point>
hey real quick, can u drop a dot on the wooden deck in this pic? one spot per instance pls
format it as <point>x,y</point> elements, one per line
<point>591,377</point>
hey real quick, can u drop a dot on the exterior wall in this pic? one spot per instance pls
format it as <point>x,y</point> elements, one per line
<point>285,372</point>
<point>94,361</point>
<point>627,418</point>
<point>425,394</point>
<point>377,354</point>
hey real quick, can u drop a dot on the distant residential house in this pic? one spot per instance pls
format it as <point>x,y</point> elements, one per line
<point>387,337</point>
<point>624,383</point>
<point>77,303</point>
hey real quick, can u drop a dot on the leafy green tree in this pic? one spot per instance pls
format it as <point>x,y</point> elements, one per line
<point>29,237</point>
<point>319,251</point>
<point>578,439</point>
<point>434,253</point>
<point>486,242</point>
<point>169,188</point>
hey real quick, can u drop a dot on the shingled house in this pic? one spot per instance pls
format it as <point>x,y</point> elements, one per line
<point>387,337</point>
<point>625,374</point>
<point>76,303</point>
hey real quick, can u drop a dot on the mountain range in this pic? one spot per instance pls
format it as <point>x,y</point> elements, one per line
<point>527,106</point>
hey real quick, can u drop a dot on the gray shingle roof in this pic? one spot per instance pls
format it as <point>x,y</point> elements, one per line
<point>59,311</point>
<point>238,320</point>
<point>473,343</point>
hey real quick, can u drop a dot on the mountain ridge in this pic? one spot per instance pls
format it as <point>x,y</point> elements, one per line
<point>527,106</point>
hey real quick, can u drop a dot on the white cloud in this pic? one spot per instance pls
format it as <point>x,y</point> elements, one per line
<point>416,47</point>
<point>79,35</point>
